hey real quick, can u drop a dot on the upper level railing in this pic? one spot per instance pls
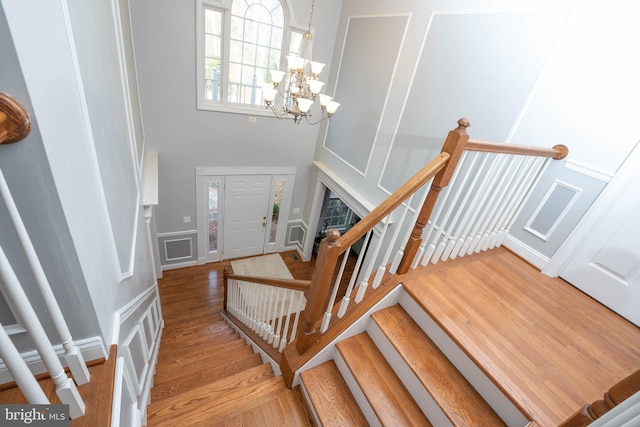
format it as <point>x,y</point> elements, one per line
<point>476,191</point>
<point>489,190</point>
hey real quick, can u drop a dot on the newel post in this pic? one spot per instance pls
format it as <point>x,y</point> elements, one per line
<point>318,293</point>
<point>454,145</point>
<point>225,283</point>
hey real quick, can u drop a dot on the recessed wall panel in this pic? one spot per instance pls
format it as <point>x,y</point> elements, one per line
<point>481,66</point>
<point>366,68</point>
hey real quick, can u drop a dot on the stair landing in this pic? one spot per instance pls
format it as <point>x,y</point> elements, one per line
<point>547,345</point>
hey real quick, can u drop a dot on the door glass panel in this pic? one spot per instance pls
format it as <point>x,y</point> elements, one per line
<point>213,215</point>
<point>277,200</point>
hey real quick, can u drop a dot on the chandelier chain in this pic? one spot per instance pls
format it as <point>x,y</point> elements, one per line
<point>313,2</point>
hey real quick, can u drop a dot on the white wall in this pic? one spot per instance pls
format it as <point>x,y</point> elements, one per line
<point>68,102</point>
<point>565,74</point>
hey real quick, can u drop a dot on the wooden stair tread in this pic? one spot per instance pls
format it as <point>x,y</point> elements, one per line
<point>186,340</point>
<point>202,377</point>
<point>330,396</point>
<point>390,400</point>
<point>222,396</point>
<point>285,409</point>
<point>457,398</point>
<point>173,361</point>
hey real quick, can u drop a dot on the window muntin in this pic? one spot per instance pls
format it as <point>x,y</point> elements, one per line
<point>212,53</point>
<point>241,40</point>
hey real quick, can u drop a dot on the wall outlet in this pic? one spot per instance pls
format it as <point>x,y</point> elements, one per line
<point>186,219</point>
<point>252,119</point>
<point>296,210</point>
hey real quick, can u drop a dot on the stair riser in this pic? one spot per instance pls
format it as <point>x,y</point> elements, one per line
<point>356,328</point>
<point>307,399</point>
<point>363,403</point>
<point>487,389</point>
<point>409,379</point>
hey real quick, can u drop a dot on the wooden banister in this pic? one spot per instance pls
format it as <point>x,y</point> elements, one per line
<point>293,284</point>
<point>393,201</point>
<point>441,170</point>
<point>557,152</point>
<point>15,123</point>
<point>454,146</point>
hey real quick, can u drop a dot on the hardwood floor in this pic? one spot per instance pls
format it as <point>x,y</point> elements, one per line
<point>542,340</point>
<point>206,374</point>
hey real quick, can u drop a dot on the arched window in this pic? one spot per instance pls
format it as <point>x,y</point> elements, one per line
<point>239,41</point>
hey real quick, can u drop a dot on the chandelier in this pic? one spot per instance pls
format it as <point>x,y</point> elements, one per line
<point>293,93</point>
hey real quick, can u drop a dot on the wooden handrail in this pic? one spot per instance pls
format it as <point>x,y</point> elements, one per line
<point>293,284</point>
<point>393,201</point>
<point>557,152</point>
<point>15,123</point>
<point>441,169</point>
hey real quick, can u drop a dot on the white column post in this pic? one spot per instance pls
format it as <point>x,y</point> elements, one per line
<point>20,371</point>
<point>65,388</point>
<point>72,355</point>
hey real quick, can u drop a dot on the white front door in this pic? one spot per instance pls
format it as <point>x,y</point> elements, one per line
<point>606,264</point>
<point>246,210</point>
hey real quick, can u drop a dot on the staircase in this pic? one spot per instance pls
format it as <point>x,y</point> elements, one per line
<point>208,375</point>
<point>393,374</point>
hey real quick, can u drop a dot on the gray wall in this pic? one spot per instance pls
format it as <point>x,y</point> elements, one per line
<point>92,148</point>
<point>185,137</point>
<point>28,175</point>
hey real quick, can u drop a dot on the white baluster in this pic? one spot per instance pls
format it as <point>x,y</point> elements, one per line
<point>435,219</point>
<point>383,265</point>
<point>65,388</point>
<point>300,306</point>
<point>270,320</point>
<point>362,289</point>
<point>72,355</point>
<point>509,195</point>
<point>471,211</point>
<point>334,292</point>
<point>285,331</point>
<point>347,296</point>
<point>534,179</point>
<point>20,371</point>
<point>286,293</point>
<point>490,185</point>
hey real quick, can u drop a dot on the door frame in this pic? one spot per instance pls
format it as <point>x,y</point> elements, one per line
<point>205,174</point>
<point>625,177</point>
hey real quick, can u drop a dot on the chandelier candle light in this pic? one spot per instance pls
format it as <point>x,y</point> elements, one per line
<point>299,88</point>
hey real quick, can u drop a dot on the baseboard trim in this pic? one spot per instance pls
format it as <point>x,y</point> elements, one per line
<point>526,252</point>
<point>91,349</point>
<point>179,265</point>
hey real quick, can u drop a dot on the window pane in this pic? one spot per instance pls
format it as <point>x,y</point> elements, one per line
<point>257,28</point>
<point>296,42</point>
<point>212,22</point>
<point>212,79</point>
<point>213,215</point>
<point>212,45</point>
<point>277,200</point>
<point>262,57</point>
<point>276,38</point>
<point>235,51</point>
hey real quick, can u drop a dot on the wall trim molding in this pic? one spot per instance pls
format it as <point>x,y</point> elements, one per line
<point>91,349</point>
<point>588,170</point>
<point>179,265</point>
<point>526,252</point>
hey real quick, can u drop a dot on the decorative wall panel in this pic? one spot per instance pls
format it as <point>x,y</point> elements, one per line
<point>484,65</point>
<point>367,64</point>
